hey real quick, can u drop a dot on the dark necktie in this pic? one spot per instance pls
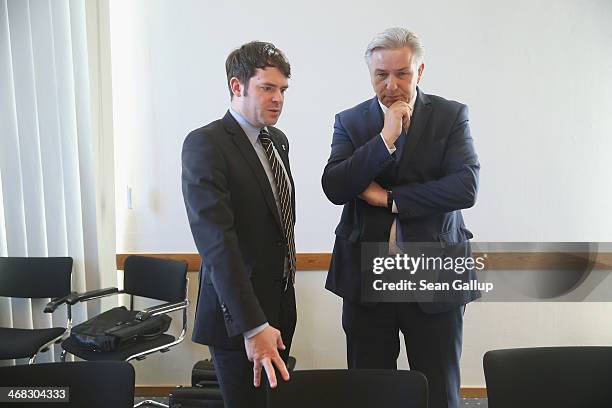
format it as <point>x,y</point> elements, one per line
<point>284,198</point>
<point>399,145</point>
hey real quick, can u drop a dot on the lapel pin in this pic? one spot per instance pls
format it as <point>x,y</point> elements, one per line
<point>283,146</point>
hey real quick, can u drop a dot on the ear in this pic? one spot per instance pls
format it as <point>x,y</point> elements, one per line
<point>236,87</point>
<point>420,72</point>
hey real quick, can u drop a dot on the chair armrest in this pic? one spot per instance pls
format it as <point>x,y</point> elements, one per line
<point>55,302</point>
<point>92,294</point>
<point>161,309</point>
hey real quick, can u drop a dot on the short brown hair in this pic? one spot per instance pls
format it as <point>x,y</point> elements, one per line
<point>244,61</point>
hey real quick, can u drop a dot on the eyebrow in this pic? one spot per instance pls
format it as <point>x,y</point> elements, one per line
<point>380,70</point>
<point>274,85</point>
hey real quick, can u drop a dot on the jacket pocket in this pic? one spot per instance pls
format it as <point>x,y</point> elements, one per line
<point>348,232</point>
<point>468,234</point>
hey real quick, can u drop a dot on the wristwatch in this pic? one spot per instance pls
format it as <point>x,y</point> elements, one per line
<point>390,200</point>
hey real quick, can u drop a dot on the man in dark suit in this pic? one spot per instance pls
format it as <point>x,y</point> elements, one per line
<point>403,165</point>
<point>239,196</point>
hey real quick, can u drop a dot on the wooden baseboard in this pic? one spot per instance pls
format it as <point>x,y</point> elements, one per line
<point>319,261</point>
<point>164,390</point>
<point>154,390</point>
<point>473,392</point>
<point>310,261</point>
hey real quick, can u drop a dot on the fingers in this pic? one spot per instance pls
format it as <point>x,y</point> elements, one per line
<point>403,108</point>
<point>267,365</point>
<point>406,117</point>
<point>405,122</point>
<point>279,342</point>
<point>280,364</point>
<point>364,197</point>
<point>400,107</point>
<point>256,373</point>
<point>398,103</point>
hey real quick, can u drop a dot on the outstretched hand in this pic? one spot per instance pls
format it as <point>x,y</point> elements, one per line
<point>262,350</point>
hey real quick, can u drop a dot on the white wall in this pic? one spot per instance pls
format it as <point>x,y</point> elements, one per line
<point>536,76</point>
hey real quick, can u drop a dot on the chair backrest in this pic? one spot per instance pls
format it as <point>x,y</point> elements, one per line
<point>549,377</point>
<point>162,279</point>
<point>351,388</point>
<point>92,384</point>
<point>35,277</point>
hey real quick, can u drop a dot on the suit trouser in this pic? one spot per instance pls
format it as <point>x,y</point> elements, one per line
<point>235,371</point>
<point>433,343</point>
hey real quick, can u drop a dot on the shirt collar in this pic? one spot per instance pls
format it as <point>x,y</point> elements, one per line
<point>251,131</point>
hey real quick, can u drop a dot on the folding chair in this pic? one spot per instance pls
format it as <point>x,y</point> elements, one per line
<point>34,278</point>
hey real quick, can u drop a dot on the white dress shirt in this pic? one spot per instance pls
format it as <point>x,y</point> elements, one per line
<point>252,133</point>
<point>393,247</point>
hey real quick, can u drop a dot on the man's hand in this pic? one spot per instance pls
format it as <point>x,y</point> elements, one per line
<point>396,119</point>
<point>262,350</point>
<point>374,195</point>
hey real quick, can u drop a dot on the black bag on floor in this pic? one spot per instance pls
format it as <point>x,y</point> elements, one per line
<point>117,328</point>
<point>205,391</point>
<point>195,397</point>
<point>203,374</point>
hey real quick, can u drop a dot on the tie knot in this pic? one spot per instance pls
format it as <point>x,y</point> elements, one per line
<point>264,139</point>
<point>264,133</point>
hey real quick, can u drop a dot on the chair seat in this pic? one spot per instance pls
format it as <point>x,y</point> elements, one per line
<point>74,348</point>
<point>22,343</point>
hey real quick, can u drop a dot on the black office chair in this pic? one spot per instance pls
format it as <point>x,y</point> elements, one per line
<point>91,384</point>
<point>351,388</point>
<point>34,278</point>
<point>147,277</point>
<point>549,377</point>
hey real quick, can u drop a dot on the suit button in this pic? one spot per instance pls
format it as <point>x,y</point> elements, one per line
<point>279,243</point>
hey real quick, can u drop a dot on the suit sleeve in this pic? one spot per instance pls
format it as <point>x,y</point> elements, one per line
<point>349,171</point>
<point>211,218</point>
<point>458,186</point>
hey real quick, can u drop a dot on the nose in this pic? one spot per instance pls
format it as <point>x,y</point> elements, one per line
<point>391,83</point>
<point>277,97</point>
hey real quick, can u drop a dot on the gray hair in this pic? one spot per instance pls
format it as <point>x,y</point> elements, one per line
<point>395,37</point>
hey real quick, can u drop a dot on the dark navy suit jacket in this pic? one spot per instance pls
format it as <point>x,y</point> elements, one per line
<point>435,177</point>
<point>237,229</point>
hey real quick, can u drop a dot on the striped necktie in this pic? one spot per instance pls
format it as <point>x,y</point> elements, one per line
<point>284,201</point>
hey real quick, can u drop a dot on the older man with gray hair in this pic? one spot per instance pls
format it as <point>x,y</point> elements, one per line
<point>403,165</point>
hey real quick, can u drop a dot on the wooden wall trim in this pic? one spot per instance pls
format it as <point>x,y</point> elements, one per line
<point>155,390</point>
<point>305,261</point>
<point>319,261</point>
<point>474,392</point>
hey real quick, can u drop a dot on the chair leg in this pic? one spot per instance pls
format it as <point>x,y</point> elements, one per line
<point>152,403</point>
